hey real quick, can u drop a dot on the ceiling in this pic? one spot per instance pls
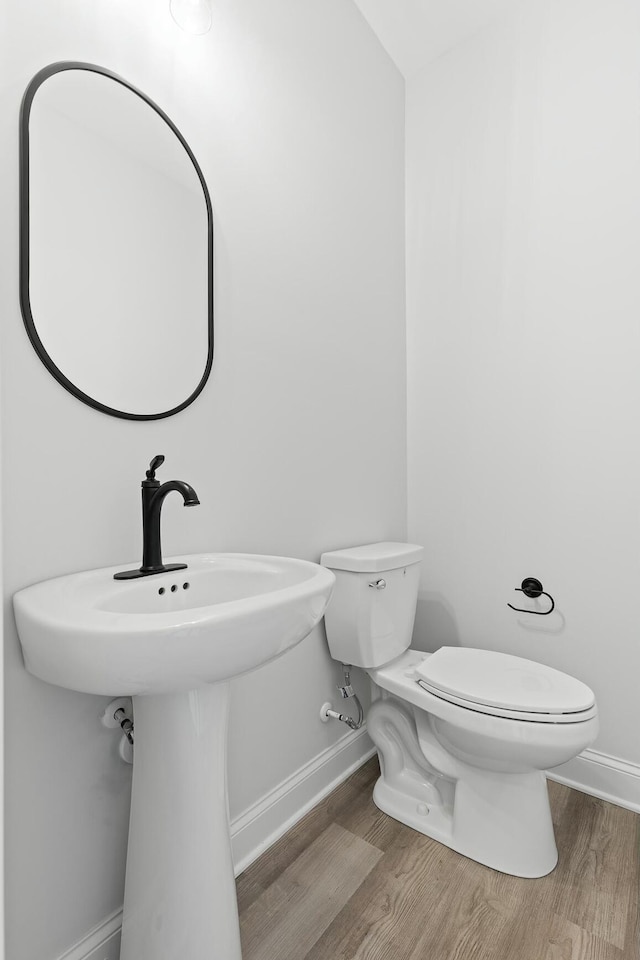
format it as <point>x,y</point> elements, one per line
<point>415,32</point>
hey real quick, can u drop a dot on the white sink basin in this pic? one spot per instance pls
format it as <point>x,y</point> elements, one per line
<point>225,614</point>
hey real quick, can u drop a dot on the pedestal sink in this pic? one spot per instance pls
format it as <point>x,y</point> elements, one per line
<point>173,641</point>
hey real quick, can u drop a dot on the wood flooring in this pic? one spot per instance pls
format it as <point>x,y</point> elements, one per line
<point>350,883</point>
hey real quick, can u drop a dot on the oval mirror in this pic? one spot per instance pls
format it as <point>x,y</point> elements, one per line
<point>116,266</point>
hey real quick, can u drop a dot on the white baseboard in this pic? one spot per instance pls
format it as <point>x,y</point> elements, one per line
<point>603,776</point>
<point>101,943</point>
<point>257,828</point>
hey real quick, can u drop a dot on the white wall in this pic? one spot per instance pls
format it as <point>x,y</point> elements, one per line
<point>415,32</point>
<point>297,444</point>
<point>523,253</point>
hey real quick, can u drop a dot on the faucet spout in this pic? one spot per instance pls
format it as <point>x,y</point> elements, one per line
<point>151,510</point>
<point>153,496</point>
<point>189,495</point>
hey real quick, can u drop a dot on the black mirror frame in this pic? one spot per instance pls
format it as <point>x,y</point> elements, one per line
<point>25,300</point>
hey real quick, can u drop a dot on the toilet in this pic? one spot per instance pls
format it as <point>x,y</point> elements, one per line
<point>463,735</point>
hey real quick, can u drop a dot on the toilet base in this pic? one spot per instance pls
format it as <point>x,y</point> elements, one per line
<point>499,819</point>
<point>487,825</point>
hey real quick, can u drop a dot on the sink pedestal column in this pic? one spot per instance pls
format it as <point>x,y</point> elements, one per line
<point>180,897</point>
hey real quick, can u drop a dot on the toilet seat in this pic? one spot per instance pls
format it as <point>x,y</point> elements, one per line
<point>502,685</point>
<point>490,711</point>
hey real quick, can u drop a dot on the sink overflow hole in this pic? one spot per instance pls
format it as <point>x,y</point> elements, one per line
<point>161,591</point>
<point>185,586</point>
<point>174,587</point>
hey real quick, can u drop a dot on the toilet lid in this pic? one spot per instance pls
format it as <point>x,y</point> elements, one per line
<point>503,681</point>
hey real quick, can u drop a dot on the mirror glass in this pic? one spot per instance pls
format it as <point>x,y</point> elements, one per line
<point>116,245</point>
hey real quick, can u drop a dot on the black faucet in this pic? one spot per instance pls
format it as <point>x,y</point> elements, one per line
<point>153,496</point>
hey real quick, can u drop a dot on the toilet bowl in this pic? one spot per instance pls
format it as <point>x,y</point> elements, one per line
<point>463,735</point>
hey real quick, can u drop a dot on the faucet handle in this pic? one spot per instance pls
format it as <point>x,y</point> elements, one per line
<point>153,466</point>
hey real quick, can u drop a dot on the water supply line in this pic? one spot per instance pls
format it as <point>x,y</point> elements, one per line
<point>126,723</point>
<point>118,713</point>
<point>347,692</point>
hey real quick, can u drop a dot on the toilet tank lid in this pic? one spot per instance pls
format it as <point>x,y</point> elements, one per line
<point>373,557</point>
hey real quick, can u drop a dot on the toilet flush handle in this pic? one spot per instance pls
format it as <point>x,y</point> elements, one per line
<point>378,584</point>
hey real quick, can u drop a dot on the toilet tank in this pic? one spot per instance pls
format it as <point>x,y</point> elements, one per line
<point>370,616</point>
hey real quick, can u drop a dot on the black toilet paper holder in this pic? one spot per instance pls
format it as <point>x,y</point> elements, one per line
<point>531,587</point>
